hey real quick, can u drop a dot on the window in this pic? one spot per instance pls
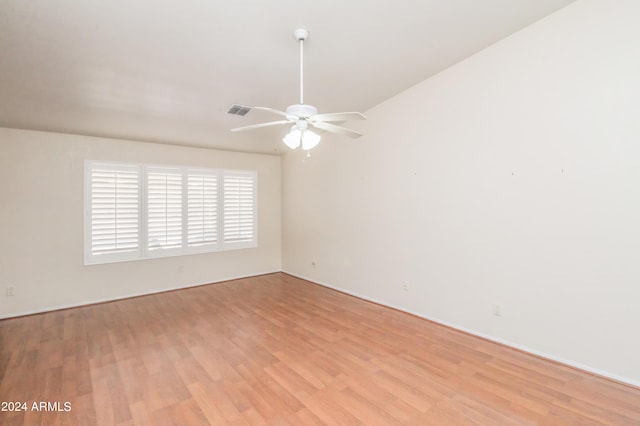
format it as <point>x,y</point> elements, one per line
<point>239,207</point>
<point>138,211</point>
<point>164,209</point>
<point>202,209</point>
<point>113,204</point>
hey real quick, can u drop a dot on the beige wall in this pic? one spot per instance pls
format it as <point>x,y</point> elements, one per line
<point>512,178</point>
<point>41,223</point>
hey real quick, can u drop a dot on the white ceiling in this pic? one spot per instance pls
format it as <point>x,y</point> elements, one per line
<point>167,70</point>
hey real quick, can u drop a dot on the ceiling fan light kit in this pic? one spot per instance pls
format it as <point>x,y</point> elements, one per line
<point>296,137</point>
<point>302,115</point>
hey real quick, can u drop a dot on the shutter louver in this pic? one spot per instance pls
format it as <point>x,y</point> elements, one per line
<point>164,211</point>
<point>202,209</point>
<point>239,207</point>
<point>114,209</point>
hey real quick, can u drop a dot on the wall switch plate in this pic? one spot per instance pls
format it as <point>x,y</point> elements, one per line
<point>497,310</point>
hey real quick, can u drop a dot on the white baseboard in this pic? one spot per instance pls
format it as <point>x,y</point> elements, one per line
<point>128,296</point>
<point>531,351</point>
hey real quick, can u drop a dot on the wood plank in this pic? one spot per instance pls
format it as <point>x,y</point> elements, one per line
<point>275,349</point>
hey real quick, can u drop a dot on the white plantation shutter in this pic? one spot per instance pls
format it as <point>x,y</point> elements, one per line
<point>138,211</point>
<point>164,208</point>
<point>113,212</point>
<point>202,208</point>
<point>239,191</point>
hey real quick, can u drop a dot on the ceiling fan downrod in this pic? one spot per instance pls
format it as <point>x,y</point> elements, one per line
<point>301,35</point>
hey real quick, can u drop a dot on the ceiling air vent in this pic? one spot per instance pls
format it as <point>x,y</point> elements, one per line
<point>238,110</point>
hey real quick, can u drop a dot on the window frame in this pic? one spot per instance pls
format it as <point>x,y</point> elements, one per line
<point>143,250</point>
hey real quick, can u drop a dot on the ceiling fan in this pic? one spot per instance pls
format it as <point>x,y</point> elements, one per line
<point>301,115</point>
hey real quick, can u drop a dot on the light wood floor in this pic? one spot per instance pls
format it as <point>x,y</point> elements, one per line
<point>278,350</point>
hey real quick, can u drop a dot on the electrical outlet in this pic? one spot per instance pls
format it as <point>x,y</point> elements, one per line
<point>405,286</point>
<point>497,310</point>
<point>314,263</point>
<point>11,291</point>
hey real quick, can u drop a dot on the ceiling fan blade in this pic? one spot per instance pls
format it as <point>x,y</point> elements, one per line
<point>336,129</point>
<point>257,126</point>
<point>275,111</point>
<point>339,116</point>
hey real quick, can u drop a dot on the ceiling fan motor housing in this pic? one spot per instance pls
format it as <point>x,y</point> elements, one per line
<point>302,111</point>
